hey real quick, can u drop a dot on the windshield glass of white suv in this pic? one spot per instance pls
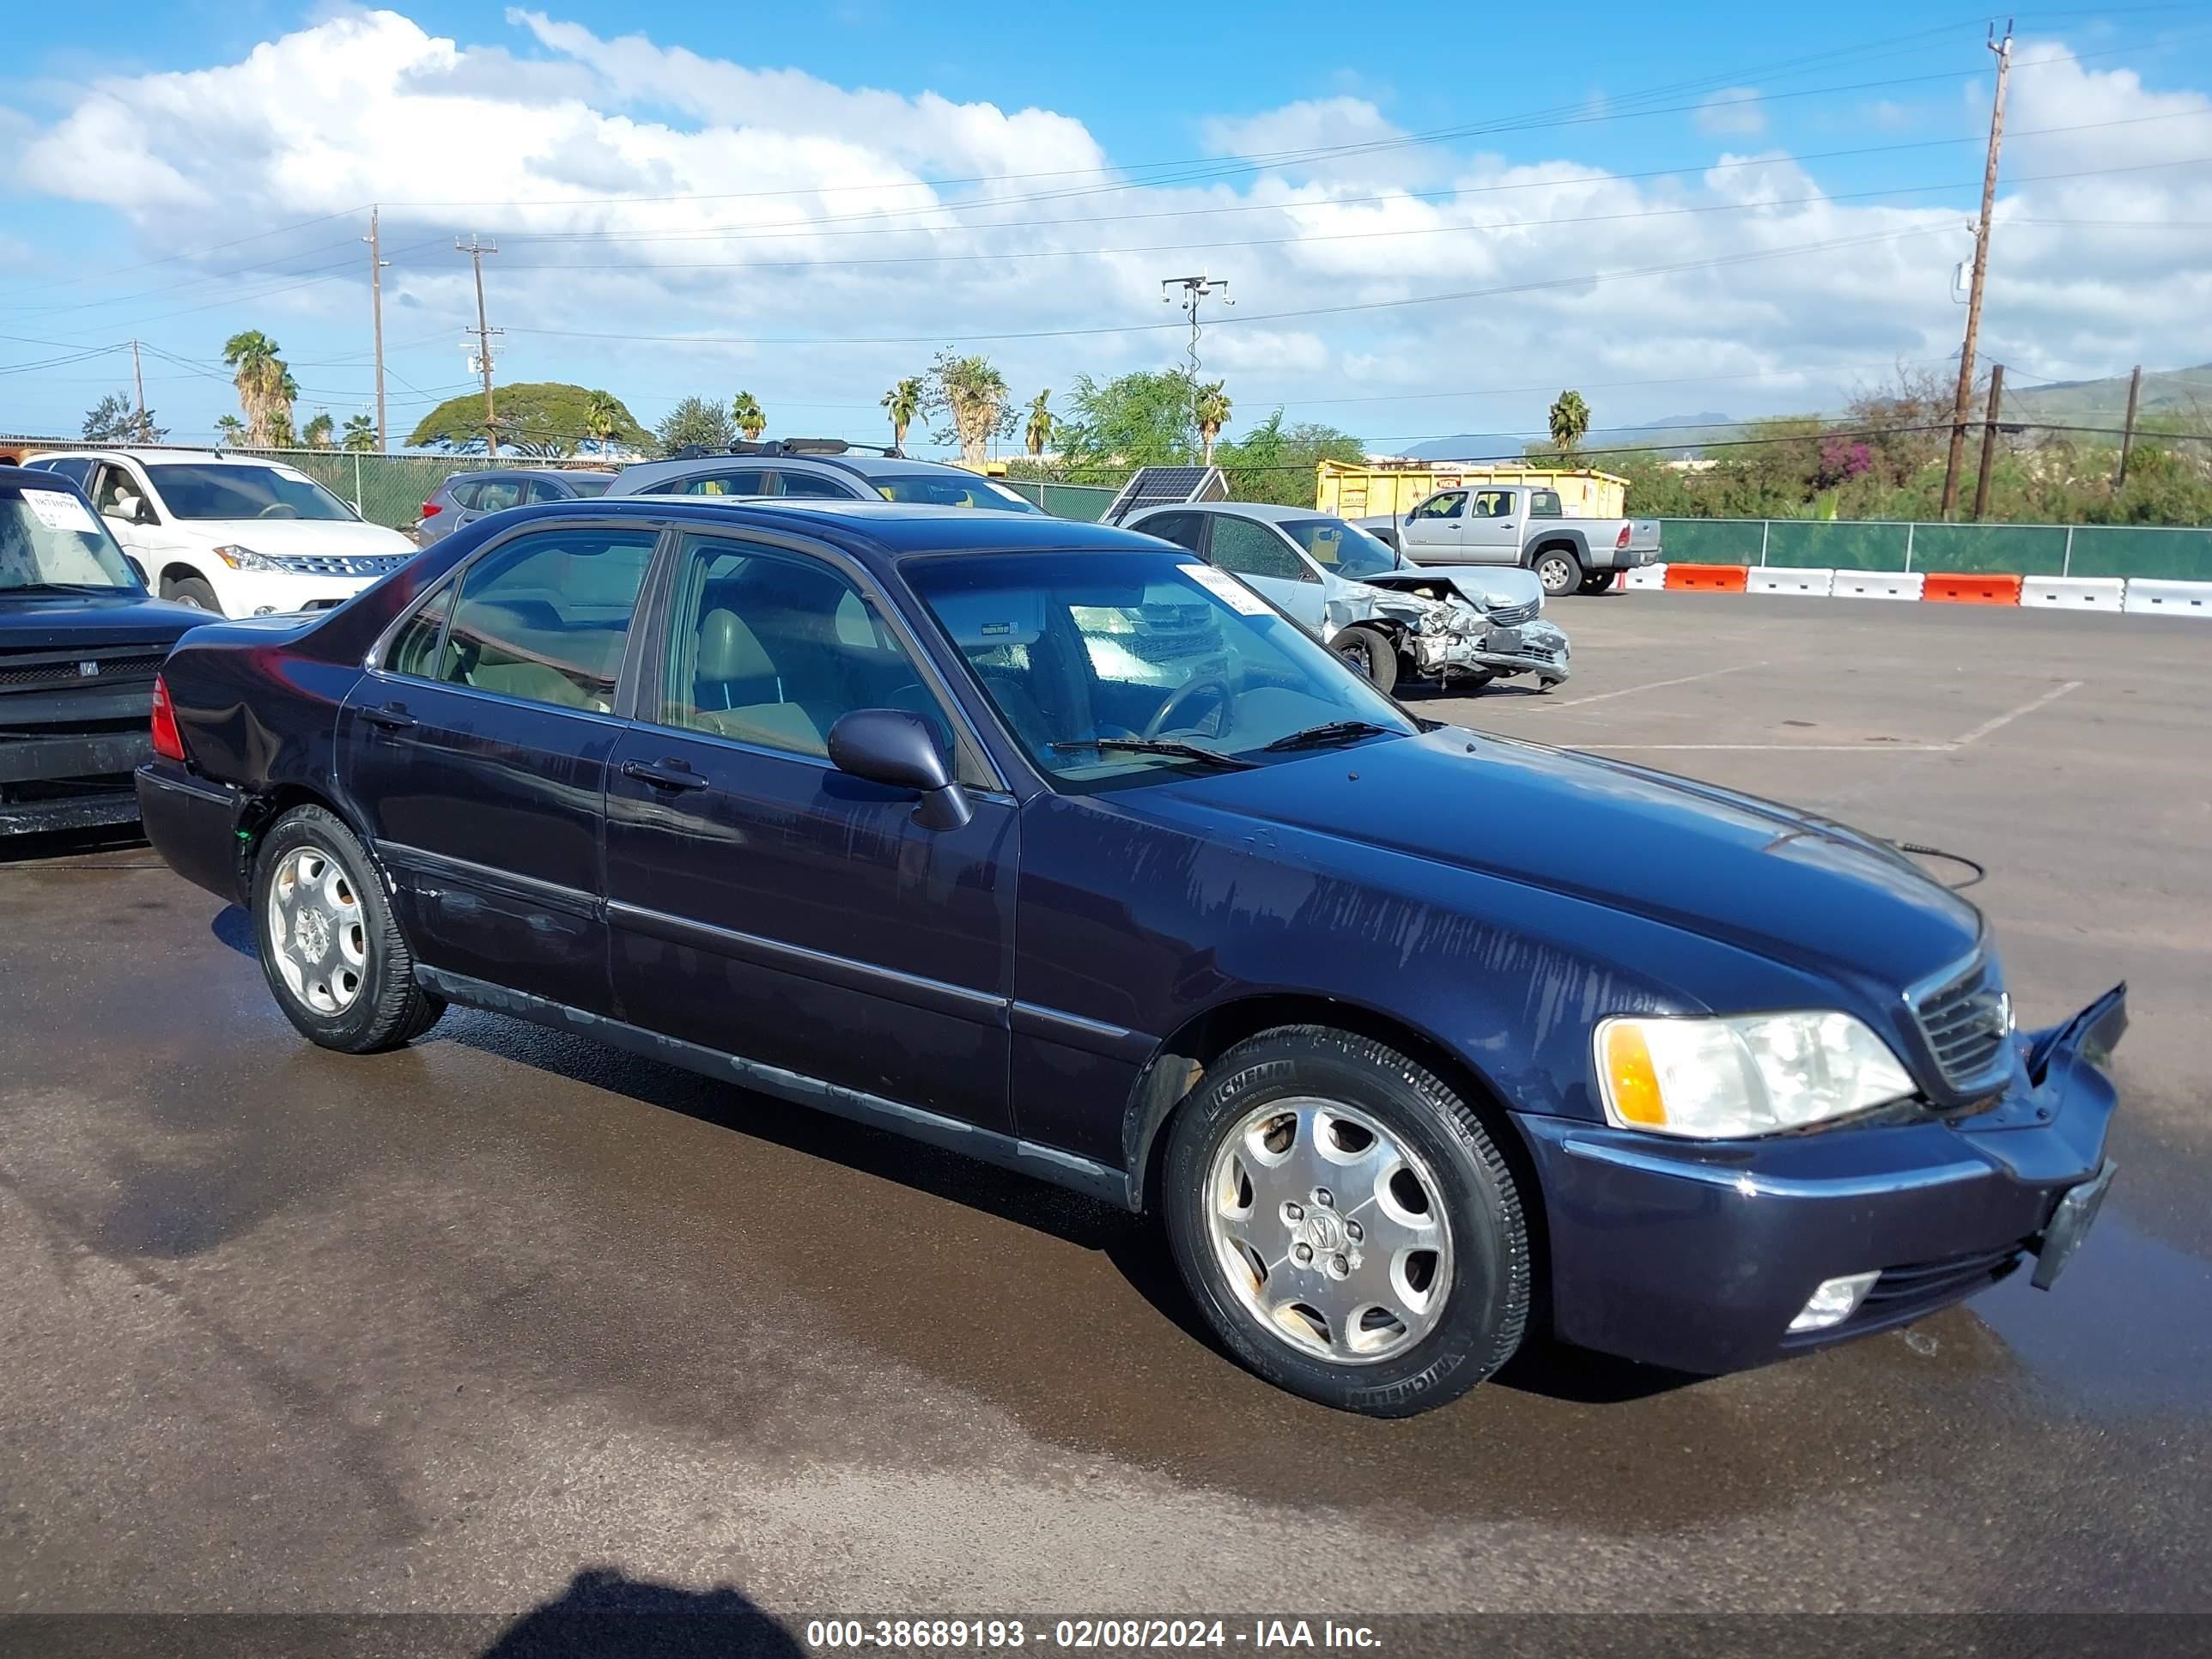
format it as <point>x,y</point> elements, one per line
<point>936,489</point>
<point>243,492</point>
<point>1341,549</point>
<point>51,538</point>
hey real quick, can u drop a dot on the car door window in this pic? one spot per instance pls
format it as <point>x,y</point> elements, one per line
<point>1451,505</point>
<point>810,486</point>
<point>119,496</point>
<point>772,648</point>
<point>1493,504</point>
<point>1252,548</point>
<point>544,618</point>
<point>78,472</point>
<point>543,489</point>
<point>749,481</point>
<point>1545,504</point>
<point>497,495</point>
<point>1183,528</point>
<point>463,495</point>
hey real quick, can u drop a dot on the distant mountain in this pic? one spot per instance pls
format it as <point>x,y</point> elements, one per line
<point>2187,393</point>
<point>1687,431</point>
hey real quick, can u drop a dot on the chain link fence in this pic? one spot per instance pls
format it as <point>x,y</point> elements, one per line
<point>2029,549</point>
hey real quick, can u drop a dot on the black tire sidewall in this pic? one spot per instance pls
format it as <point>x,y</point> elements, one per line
<point>1485,1314</point>
<point>201,595</point>
<point>1378,663</point>
<point>349,1028</point>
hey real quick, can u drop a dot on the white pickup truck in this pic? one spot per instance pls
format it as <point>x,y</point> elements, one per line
<point>1518,524</point>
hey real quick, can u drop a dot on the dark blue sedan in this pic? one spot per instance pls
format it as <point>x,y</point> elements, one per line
<point>1051,844</point>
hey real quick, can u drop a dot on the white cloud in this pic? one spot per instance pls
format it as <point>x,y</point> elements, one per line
<point>766,204</point>
<point>1733,110</point>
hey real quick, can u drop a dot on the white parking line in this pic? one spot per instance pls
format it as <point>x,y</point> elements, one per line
<point>2028,708</point>
<point>1654,686</point>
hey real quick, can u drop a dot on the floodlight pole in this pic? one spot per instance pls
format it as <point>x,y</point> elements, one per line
<point>1194,290</point>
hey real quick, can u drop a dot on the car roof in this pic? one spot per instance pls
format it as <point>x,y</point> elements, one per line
<point>891,527</point>
<point>1268,511</point>
<point>858,462</point>
<point>197,457</point>
<point>531,472</point>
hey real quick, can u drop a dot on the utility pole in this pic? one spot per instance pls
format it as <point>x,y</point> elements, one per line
<point>475,251</point>
<point>1194,290</point>
<point>146,421</point>
<point>376,264</point>
<point>1989,441</point>
<point>1959,404</point>
<point>2127,431</point>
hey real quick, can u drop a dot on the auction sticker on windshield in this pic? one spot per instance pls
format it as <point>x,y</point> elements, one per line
<point>58,509</point>
<point>1223,586</point>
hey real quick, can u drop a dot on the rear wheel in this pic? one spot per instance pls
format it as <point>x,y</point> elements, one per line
<point>331,946</point>
<point>1558,569</point>
<point>1597,581</point>
<point>1347,1223</point>
<point>191,590</point>
<point>1369,652</point>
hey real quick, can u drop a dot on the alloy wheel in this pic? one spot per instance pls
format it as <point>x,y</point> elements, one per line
<point>317,937</point>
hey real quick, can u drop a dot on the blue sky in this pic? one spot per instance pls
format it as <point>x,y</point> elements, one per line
<point>1782,277</point>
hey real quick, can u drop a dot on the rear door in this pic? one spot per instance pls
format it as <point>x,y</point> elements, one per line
<point>762,903</point>
<point>1256,554</point>
<point>1494,527</point>
<point>475,751</point>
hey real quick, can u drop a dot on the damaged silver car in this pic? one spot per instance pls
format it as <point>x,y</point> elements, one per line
<point>1449,626</point>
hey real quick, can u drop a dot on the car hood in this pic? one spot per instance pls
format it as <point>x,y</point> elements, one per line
<point>55,622</point>
<point>326,538</point>
<point>1491,587</point>
<point>1789,886</point>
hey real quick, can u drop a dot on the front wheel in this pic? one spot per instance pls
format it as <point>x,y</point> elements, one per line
<point>1369,653</point>
<point>331,946</point>
<point>1347,1223</point>
<point>191,590</point>
<point>1559,571</point>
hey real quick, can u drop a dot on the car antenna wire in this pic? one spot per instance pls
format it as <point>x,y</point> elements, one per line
<point>1981,871</point>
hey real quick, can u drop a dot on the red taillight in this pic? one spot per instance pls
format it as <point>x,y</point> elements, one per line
<point>1623,542</point>
<point>431,509</point>
<point>168,743</point>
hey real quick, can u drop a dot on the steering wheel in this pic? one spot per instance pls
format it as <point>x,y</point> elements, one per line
<point>279,510</point>
<point>1184,693</point>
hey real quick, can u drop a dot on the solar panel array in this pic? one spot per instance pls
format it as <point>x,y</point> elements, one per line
<point>1164,486</point>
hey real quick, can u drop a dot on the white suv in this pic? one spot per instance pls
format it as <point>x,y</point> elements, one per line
<point>229,533</point>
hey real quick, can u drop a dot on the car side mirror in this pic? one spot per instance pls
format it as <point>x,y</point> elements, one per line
<point>890,747</point>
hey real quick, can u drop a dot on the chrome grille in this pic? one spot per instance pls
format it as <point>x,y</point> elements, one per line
<point>333,564</point>
<point>1966,1021</point>
<point>1512,616</point>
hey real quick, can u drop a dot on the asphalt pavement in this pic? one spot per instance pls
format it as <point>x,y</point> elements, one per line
<point>444,1329</point>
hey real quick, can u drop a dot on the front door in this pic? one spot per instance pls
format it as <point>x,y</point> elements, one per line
<point>1436,529</point>
<point>475,751</point>
<point>123,501</point>
<point>1255,553</point>
<point>765,904</point>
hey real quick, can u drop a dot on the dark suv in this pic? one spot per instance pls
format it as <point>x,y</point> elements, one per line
<point>1053,845</point>
<point>467,496</point>
<point>818,468</point>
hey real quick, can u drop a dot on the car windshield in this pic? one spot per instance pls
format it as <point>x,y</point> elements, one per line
<point>1126,649</point>
<point>950,489</point>
<point>586,486</point>
<point>234,491</point>
<point>51,538</point>
<point>1341,549</point>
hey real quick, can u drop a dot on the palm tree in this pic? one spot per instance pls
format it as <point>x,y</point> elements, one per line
<point>229,432</point>
<point>1038,433</point>
<point>972,392</point>
<point>360,433</point>
<point>745,410</point>
<point>602,420</point>
<point>319,433</point>
<point>265,385</point>
<point>903,405</point>
<point>1211,408</point>
<point>1570,421</point>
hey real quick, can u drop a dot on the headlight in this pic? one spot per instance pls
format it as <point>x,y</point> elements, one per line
<point>1720,1079</point>
<point>245,558</point>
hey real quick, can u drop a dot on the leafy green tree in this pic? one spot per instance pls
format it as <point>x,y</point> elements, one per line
<point>1276,463</point>
<point>116,420</point>
<point>698,421</point>
<point>971,394</point>
<point>1142,418</point>
<point>745,410</point>
<point>1571,419</point>
<point>1038,433</point>
<point>536,417</point>
<point>265,385</point>
<point>321,432</point>
<point>360,434</point>
<point>903,403</point>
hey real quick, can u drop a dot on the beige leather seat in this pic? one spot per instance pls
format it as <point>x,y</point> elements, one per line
<point>734,670</point>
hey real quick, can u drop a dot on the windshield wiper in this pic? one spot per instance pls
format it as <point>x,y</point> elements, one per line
<point>1320,736</point>
<point>1161,746</point>
<point>62,587</point>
